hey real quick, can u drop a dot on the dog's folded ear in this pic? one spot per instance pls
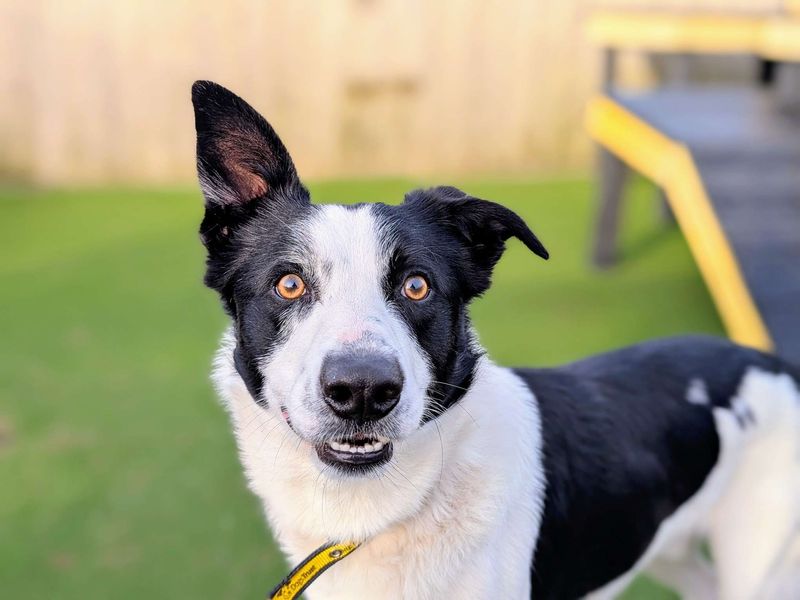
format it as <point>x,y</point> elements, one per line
<point>240,158</point>
<point>482,226</point>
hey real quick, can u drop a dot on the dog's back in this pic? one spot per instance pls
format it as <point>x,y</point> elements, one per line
<point>650,447</point>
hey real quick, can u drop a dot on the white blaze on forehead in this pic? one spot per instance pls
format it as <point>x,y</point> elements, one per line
<point>351,261</point>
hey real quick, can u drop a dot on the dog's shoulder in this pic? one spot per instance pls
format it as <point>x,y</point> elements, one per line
<point>626,432</point>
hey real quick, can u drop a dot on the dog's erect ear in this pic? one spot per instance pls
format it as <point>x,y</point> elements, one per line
<point>481,225</point>
<point>240,158</point>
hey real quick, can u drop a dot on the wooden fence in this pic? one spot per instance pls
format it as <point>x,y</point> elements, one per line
<point>93,91</point>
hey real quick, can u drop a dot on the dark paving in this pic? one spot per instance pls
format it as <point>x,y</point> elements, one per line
<point>748,154</point>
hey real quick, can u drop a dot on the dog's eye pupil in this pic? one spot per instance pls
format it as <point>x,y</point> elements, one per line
<point>290,287</point>
<point>416,288</point>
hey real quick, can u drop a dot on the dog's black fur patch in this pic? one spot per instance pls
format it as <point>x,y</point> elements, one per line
<point>623,449</point>
<point>455,240</point>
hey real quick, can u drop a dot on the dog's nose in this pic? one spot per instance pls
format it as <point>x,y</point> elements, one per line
<point>361,387</point>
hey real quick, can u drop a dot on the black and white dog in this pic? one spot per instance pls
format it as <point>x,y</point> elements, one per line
<point>365,409</point>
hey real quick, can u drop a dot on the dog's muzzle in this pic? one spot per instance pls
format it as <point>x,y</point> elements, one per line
<point>359,388</point>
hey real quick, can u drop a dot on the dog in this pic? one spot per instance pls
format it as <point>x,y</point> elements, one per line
<point>365,410</point>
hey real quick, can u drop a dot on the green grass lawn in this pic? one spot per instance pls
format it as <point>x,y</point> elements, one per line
<point>118,472</point>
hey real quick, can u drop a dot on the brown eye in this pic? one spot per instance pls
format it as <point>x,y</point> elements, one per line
<point>416,288</point>
<point>290,287</point>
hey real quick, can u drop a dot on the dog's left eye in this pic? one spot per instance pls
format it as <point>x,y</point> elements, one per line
<point>416,288</point>
<point>290,287</point>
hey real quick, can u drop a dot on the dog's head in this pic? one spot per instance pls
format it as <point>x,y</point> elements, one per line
<point>350,321</point>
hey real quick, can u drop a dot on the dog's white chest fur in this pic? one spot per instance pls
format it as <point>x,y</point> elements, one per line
<point>455,515</point>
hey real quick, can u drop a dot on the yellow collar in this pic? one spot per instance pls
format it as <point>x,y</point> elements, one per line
<point>312,567</point>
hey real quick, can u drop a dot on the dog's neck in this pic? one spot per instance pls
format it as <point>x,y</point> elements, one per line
<point>440,473</point>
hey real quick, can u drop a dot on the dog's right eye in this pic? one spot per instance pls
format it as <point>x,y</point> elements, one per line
<point>290,287</point>
<point>416,288</point>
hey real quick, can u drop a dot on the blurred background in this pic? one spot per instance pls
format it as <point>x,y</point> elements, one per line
<point>652,145</point>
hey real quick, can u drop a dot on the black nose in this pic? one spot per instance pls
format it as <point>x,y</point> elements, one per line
<point>361,387</point>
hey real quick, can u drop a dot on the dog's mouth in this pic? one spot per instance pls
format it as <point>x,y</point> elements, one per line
<point>357,453</point>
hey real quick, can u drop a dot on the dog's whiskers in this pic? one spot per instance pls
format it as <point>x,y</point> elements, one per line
<point>436,404</point>
<point>441,449</point>
<point>399,471</point>
<point>452,385</point>
<point>278,451</point>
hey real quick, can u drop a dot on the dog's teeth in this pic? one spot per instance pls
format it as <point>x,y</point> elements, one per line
<point>361,447</point>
